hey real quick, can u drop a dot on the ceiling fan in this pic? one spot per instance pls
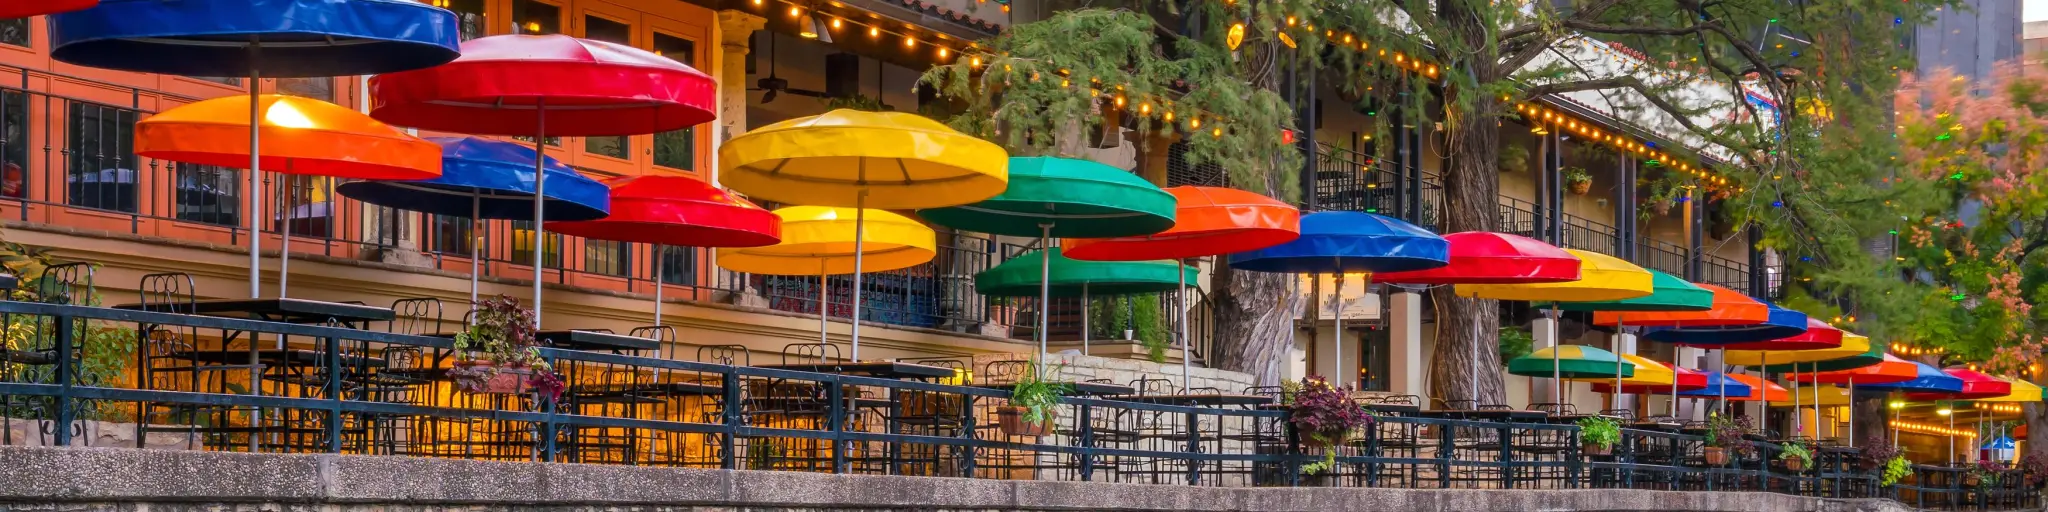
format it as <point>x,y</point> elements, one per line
<point>775,85</point>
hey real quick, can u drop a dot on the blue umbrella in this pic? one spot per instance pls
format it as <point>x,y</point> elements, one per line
<point>1349,242</point>
<point>1780,324</point>
<point>276,38</point>
<point>487,179</point>
<point>1718,385</point>
<point>1931,380</point>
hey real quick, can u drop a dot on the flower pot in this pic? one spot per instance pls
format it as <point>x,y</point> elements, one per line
<point>1716,456</point>
<point>503,380</point>
<point>1010,420</point>
<point>1661,207</point>
<point>1795,465</point>
<point>1599,450</point>
<point>1970,480</point>
<point>1579,187</point>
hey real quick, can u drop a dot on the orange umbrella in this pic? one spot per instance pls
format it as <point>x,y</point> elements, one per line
<point>1730,308</point>
<point>1759,389</point>
<point>1891,371</point>
<point>1207,221</point>
<point>300,136</point>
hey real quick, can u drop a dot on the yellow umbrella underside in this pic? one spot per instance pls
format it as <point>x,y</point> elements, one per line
<point>819,239</point>
<point>1830,395</point>
<point>1852,345</point>
<point>1648,373</point>
<point>1601,278</point>
<point>902,161</point>
<point>2022,391</point>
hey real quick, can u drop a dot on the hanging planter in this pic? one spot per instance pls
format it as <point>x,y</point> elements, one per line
<point>1577,180</point>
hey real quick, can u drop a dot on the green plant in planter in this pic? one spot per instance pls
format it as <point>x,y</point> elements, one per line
<point>1599,431</point>
<point>500,344</point>
<point>1987,472</point>
<point>1033,402</point>
<point>1799,452</point>
<point>1730,437</point>
<point>1325,416</point>
<point>1577,180</point>
<point>1895,469</point>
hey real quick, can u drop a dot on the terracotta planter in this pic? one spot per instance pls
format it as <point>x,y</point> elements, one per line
<point>1716,456</point>
<point>1661,207</point>
<point>1971,480</point>
<point>1011,421</point>
<point>1795,465</point>
<point>1596,450</point>
<point>507,380</point>
<point>1579,187</point>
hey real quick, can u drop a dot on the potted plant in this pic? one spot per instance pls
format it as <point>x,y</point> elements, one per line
<point>1577,180</point>
<point>2034,467</point>
<point>1984,473</point>
<point>1598,435</point>
<point>1033,403</point>
<point>1726,437</point>
<point>1796,457</point>
<point>1895,469</point>
<point>497,353</point>
<point>1325,417</point>
<point>1880,457</point>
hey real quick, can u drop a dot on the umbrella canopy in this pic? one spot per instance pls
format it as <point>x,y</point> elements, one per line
<point>1207,221</point>
<point>295,38</point>
<point>1484,257</point>
<point>1818,336</point>
<point>1782,360</point>
<point>1667,293</point>
<point>1782,323</point>
<point>1073,197</point>
<point>1888,370</point>
<point>819,240</point>
<point>1926,379</point>
<point>1572,362</point>
<point>1349,242</point>
<point>300,136</point>
<point>489,178</point>
<point>1759,389</point>
<point>1719,385</point>
<point>676,210</point>
<point>2022,391</point>
<point>26,8</point>
<point>1723,307</point>
<point>1601,278</point>
<point>1687,380</point>
<point>587,89</point>
<point>903,161</point>
<point>1019,277</point>
<point>1830,396</point>
<point>1975,386</point>
<point>1642,372</point>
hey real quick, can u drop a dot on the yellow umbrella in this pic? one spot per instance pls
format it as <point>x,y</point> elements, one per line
<point>2022,391</point>
<point>885,160</point>
<point>1852,345</point>
<point>1602,278</point>
<point>1823,396</point>
<point>1647,373</point>
<point>819,241</point>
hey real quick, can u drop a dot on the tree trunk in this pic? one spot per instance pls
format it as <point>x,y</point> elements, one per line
<point>1873,419</point>
<point>1255,310</point>
<point>2036,416</point>
<point>1468,330</point>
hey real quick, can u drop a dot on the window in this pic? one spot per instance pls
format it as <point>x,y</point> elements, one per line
<point>469,17</point>
<point>606,257</point>
<point>13,144</point>
<point>14,31</point>
<point>534,17</point>
<point>319,88</point>
<point>522,246</point>
<point>311,211</point>
<point>603,29</point>
<point>451,234</point>
<point>208,194</point>
<point>101,157</point>
<point>679,266</point>
<point>676,149</point>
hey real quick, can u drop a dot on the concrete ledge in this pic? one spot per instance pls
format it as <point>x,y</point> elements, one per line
<point>47,477</point>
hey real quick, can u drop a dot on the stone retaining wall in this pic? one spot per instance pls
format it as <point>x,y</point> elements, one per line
<point>69,479</point>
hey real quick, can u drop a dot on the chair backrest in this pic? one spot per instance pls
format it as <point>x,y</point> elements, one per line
<point>809,353</point>
<point>414,316</point>
<point>1457,405</point>
<point>1006,371</point>
<point>69,283</point>
<point>1400,399</point>
<point>1152,386</point>
<point>172,291</point>
<point>664,336</point>
<point>729,355</point>
<point>1626,414</point>
<point>1272,392</point>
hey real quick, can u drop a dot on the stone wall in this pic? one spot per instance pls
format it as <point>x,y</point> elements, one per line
<point>70,479</point>
<point>1080,368</point>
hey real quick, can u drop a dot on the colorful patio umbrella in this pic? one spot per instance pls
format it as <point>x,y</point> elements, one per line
<point>485,179</point>
<point>26,8</point>
<point>1759,390</point>
<point>591,89</point>
<point>1854,352</point>
<point>1023,276</point>
<point>1641,372</point>
<point>2022,392</point>
<point>1724,307</point>
<point>827,160</point>
<point>1889,370</point>
<point>1602,278</point>
<point>1780,323</point>
<point>302,136</point>
<point>674,210</point>
<point>1208,221</point>
<point>1683,380</point>
<point>1926,379</point>
<point>257,38</point>
<point>1975,386</point>
<point>1823,396</point>
<point>820,241</point>
<point>1718,385</point>
<point>1340,242</point>
<point>1570,362</point>
<point>1668,295</point>
<point>1063,197</point>
<point>1818,336</point>
<point>1484,257</point>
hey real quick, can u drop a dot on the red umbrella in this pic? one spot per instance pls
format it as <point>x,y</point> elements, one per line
<point>1687,380</point>
<point>1818,335</point>
<point>26,8</point>
<point>545,86</point>
<point>1730,308</point>
<point>1976,386</point>
<point>675,210</point>
<point>1481,257</point>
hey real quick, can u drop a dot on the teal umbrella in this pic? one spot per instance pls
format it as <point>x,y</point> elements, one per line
<point>1063,197</point>
<point>1668,293</point>
<point>1068,277</point>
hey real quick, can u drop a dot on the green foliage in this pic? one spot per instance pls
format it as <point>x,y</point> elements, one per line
<point>1038,391</point>
<point>1575,175</point>
<point>1515,342</point>
<point>1729,434</point>
<point>1599,431</point>
<point>1513,158</point>
<point>1796,451</point>
<point>860,102</point>
<point>1895,469</point>
<point>1107,320</point>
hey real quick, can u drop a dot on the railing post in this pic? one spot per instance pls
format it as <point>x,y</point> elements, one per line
<point>835,422</point>
<point>66,380</point>
<point>1448,440</point>
<point>1507,458</point>
<point>547,426</point>
<point>1195,446</point>
<point>333,390</point>
<point>729,418</point>
<point>1577,468</point>
<point>967,432</point>
<point>1085,424</point>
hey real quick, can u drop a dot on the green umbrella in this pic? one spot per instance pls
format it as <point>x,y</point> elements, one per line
<point>1019,277</point>
<point>1668,293</point>
<point>1063,197</point>
<point>1571,362</point>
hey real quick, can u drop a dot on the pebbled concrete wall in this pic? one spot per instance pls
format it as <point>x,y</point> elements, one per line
<point>68,479</point>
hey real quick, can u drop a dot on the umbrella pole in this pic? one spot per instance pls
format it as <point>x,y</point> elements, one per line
<point>1339,318</point>
<point>659,251</point>
<point>1852,411</point>
<point>476,243</point>
<point>1619,331</point>
<point>860,234</point>
<point>1086,308</point>
<point>255,186</point>
<point>1180,270</point>
<point>824,304</point>
<point>1556,350</point>
<point>1472,376</point>
<point>1044,289</point>
<point>1763,383</point>
<point>540,179</point>
<point>284,250</point>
